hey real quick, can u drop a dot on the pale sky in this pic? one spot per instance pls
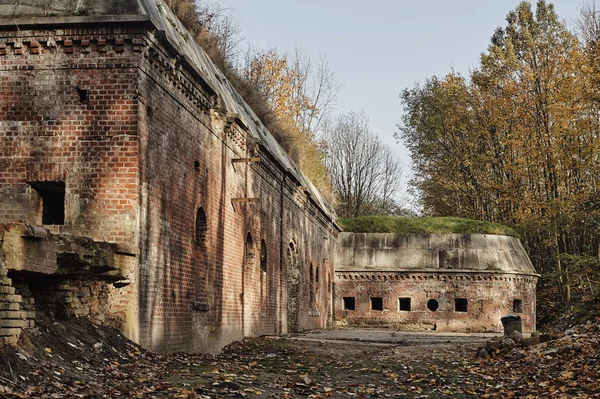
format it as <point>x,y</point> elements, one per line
<point>378,48</point>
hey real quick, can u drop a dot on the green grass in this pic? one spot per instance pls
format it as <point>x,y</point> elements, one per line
<point>437,225</point>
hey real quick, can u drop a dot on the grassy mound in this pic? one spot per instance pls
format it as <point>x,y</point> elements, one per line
<point>437,225</point>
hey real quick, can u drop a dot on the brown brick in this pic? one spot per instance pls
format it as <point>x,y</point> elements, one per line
<point>10,314</point>
<point>13,323</point>
<point>6,290</point>
<point>12,298</point>
<point>7,332</point>
<point>127,155</point>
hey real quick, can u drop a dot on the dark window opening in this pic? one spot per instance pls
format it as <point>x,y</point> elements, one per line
<point>197,166</point>
<point>460,304</point>
<point>433,305</point>
<point>311,287</point>
<point>84,95</point>
<point>53,200</point>
<point>263,256</point>
<point>201,228</point>
<point>404,304</point>
<point>517,306</point>
<point>349,303</point>
<point>377,303</point>
<point>249,251</point>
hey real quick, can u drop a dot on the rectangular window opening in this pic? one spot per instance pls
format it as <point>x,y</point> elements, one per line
<point>404,304</point>
<point>518,306</point>
<point>349,303</point>
<point>53,200</point>
<point>460,304</point>
<point>377,303</point>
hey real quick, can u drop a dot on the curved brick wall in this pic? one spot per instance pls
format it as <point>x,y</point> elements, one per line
<point>468,281</point>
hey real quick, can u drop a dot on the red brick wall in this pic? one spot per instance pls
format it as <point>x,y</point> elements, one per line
<point>489,298</point>
<point>138,158</point>
<point>47,132</point>
<point>187,153</point>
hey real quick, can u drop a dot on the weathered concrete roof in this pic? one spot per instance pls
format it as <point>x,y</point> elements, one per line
<point>62,12</point>
<point>362,252</point>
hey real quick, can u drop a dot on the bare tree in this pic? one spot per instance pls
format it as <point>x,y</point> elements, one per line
<point>588,24</point>
<point>296,87</point>
<point>364,172</point>
<point>319,85</point>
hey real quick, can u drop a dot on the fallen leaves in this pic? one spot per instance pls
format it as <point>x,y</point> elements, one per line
<point>96,363</point>
<point>568,367</point>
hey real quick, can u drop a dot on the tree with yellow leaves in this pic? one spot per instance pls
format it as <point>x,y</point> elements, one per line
<point>518,142</point>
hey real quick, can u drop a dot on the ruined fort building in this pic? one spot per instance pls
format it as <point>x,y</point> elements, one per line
<point>116,126</point>
<point>138,188</point>
<point>443,282</point>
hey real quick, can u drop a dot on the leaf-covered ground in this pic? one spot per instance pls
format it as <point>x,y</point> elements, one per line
<point>78,360</point>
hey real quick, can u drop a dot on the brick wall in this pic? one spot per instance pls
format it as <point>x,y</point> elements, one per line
<point>110,119</point>
<point>235,284</point>
<point>68,114</point>
<point>60,276</point>
<point>488,298</point>
<point>444,282</point>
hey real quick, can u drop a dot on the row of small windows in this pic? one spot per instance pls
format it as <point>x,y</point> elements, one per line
<point>405,305</point>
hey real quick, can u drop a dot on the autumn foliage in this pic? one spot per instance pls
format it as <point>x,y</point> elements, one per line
<point>287,92</point>
<point>518,141</point>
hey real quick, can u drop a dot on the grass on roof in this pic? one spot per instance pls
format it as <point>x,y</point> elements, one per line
<point>432,225</point>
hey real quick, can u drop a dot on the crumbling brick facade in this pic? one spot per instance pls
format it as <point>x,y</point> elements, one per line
<point>443,282</point>
<point>115,126</point>
<point>60,276</point>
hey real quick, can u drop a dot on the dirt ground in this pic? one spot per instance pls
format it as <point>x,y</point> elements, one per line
<point>75,359</point>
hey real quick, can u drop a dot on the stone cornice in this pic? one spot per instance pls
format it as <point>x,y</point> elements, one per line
<point>445,275</point>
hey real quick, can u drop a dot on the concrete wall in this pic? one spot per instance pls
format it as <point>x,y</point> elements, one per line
<point>473,279</point>
<point>140,139</point>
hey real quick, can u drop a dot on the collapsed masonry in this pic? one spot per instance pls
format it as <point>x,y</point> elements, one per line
<point>62,276</point>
